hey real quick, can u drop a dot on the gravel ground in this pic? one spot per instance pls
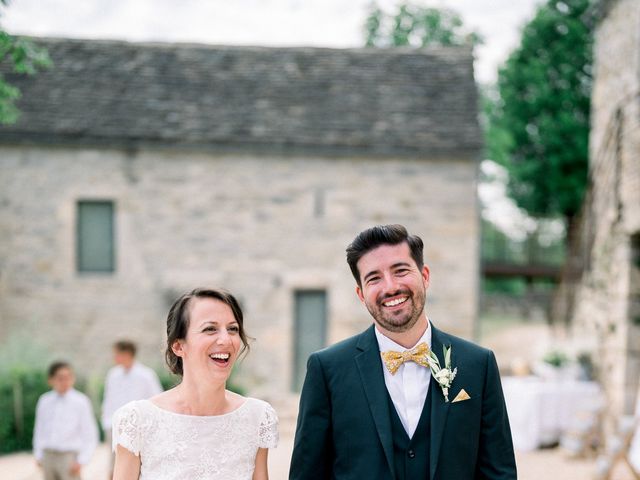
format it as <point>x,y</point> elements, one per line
<point>549,463</point>
<point>508,343</point>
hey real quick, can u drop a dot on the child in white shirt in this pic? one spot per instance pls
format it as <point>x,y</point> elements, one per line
<point>65,434</point>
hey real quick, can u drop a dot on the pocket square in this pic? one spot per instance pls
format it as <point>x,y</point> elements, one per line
<point>462,395</point>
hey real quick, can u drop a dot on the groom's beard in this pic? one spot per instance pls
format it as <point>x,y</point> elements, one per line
<point>400,320</point>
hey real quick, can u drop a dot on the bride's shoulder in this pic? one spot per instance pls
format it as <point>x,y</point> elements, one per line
<point>266,421</point>
<point>261,407</point>
<point>237,400</point>
<point>135,408</point>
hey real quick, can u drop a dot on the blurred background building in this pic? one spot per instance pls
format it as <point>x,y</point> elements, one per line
<point>139,171</point>
<point>601,293</point>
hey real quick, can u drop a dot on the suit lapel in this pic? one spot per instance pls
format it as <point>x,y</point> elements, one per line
<point>372,376</point>
<point>439,408</point>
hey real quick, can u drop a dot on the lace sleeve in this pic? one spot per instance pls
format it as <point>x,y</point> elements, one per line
<point>269,428</point>
<point>126,428</point>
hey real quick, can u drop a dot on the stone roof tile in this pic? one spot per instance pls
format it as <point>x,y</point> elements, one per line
<point>370,101</point>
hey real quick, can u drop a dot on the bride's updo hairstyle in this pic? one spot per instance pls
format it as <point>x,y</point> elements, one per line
<point>178,322</point>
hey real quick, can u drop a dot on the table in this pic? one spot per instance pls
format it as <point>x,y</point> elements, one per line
<point>540,410</point>
<point>634,450</point>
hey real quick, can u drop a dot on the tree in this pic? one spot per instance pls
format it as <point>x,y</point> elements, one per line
<point>21,56</point>
<point>417,26</point>
<point>539,123</point>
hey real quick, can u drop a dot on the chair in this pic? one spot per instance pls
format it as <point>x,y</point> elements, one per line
<point>583,434</point>
<point>619,448</point>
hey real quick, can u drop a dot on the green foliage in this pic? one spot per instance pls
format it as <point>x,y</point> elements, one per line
<point>416,26</point>
<point>19,393</point>
<point>556,358</point>
<point>509,286</point>
<point>535,248</point>
<point>23,378</point>
<point>167,379</point>
<point>498,141</point>
<point>539,124</point>
<point>516,286</point>
<point>22,56</point>
<point>234,386</point>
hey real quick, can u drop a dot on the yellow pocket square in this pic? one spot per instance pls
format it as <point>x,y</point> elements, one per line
<point>462,395</point>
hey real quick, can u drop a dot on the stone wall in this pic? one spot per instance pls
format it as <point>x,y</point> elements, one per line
<point>612,213</point>
<point>260,226</point>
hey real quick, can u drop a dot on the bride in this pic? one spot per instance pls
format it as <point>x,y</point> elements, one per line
<point>198,429</point>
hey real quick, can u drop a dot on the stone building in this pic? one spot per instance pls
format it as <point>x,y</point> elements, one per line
<point>138,171</point>
<point>607,297</point>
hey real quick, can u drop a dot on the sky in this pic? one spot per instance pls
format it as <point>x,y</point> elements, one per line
<point>321,23</point>
<point>317,23</point>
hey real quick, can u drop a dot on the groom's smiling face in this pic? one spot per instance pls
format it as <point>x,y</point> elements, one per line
<point>393,288</point>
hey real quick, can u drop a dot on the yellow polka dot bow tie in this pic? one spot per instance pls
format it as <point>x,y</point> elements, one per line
<point>419,354</point>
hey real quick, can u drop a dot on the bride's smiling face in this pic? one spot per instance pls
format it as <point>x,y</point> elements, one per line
<point>212,343</point>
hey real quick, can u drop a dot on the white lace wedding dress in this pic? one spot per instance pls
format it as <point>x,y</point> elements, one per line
<point>173,446</point>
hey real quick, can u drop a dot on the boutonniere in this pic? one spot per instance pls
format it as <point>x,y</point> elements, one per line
<point>444,376</point>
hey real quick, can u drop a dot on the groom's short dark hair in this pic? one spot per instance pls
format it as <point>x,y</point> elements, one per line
<point>382,235</point>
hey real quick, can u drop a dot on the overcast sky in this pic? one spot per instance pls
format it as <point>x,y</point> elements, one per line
<point>319,23</point>
<point>329,23</point>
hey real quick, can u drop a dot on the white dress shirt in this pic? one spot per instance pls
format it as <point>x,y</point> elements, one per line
<point>123,386</point>
<point>408,388</point>
<point>65,423</point>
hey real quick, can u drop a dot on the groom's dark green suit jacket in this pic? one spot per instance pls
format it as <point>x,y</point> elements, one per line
<point>344,426</point>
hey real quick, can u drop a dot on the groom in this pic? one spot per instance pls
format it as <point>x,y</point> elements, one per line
<point>370,406</point>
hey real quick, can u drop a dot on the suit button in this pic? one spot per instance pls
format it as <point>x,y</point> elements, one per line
<point>411,454</point>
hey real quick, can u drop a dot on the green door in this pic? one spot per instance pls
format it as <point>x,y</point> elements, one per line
<point>310,330</point>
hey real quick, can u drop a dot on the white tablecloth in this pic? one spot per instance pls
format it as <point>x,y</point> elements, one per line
<point>634,451</point>
<point>540,410</point>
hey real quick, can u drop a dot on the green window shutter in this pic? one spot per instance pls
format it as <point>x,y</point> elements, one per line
<point>95,237</point>
<point>310,331</point>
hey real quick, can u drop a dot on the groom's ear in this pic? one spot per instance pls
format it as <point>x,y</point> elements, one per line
<point>359,293</point>
<point>425,275</point>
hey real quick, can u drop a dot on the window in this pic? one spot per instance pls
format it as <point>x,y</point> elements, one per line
<point>310,330</point>
<point>95,237</point>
